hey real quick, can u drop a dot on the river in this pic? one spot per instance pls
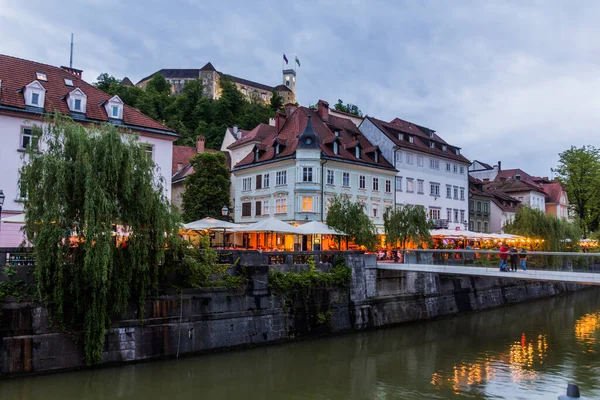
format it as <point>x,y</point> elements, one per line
<point>527,351</point>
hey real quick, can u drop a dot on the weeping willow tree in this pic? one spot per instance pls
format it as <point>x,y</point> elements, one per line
<point>557,235</point>
<point>82,184</point>
<point>405,224</point>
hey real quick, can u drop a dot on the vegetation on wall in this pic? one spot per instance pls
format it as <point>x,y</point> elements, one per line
<point>207,190</point>
<point>405,224</point>
<point>191,113</point>
<point>557,235</point>
<point>349,217</point>
<point>84,183</point>
<point>348,108</point>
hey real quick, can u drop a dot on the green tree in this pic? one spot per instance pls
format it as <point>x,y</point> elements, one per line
<point>579,172</point>
<point>207,189</point>
<point>557,235</point>
<point>348,108</point>
<point>84,183</point>
<point>276,101</point>
<point>405,224</point>
<point>350,218</point>
<point>105,81</point>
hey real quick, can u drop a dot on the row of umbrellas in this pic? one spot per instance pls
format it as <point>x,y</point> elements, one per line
<point>448,233</point>
<point>270,224</point>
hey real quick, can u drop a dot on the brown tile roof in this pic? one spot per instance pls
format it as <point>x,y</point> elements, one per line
<point>513,186</point>
<point>421,138</point>
<point>258,134</point>
<point>294,126</point>
<point>504,201</point>
<point>16,73</point>
<point>512,173</point>
<point>553,191</point>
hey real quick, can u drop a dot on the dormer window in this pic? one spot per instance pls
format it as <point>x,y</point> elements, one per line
<point>376,157</point>
<point>444,148</point>
<point>457,152</point>
<point>277,149</point>
<point>336,133</point>
<point>77,101</point>
<point>431,135</point>
<point>432,145</point>
<point>400,136</point>
<point>35,94</point>
<point>411,139</point>
<point>40,76</point>
<point>336,148</point>
<point>114,108</point>
<point>357,152</point>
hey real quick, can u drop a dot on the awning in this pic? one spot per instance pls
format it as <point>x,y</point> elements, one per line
<point>209,223</point>
<point>318,228</point>
<point>271,224</point>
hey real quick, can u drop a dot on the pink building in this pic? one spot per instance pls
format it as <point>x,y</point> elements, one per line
<point>29,92</point>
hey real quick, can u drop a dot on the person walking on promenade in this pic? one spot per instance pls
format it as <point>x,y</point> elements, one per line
<point>514,258</point>
<point>503,257</point>
<point>523,258</point>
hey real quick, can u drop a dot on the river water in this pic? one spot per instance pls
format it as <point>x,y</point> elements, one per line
<point>528,351</point>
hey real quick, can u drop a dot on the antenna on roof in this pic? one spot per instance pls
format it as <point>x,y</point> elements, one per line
<point>71,58</point>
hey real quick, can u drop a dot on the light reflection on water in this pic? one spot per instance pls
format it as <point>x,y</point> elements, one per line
<point>529,351</point>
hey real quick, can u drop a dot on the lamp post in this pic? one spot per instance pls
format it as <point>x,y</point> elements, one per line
<point>2,197</point>
<point>224,213</point>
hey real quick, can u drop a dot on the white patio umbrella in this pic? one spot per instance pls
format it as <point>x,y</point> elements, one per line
<point>209,223</point>
<point>270,224</point>
<point>318,228</point>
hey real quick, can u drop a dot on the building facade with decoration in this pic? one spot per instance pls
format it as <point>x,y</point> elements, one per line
<point>431,172</point>
<point>310,157</point>
<point>32,91</point>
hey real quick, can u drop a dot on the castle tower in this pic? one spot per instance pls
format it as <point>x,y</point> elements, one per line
<point>289,80</point>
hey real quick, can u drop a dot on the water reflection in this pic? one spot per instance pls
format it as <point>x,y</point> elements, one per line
<point>527,351</point>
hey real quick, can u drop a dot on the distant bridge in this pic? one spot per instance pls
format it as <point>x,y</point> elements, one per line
<point>582,268</point>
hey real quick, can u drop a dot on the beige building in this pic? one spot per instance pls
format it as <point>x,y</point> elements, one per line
<point>211,79</point>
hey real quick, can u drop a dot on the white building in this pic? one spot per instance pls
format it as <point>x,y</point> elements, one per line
<point>29,91</point>
<point>311,157</point>
<point>431,172</point>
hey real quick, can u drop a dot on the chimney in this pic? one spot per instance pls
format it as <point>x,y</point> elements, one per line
<point>235,131</point>
<point>323,110</point>
<point>279,121</point>
<point>200,144</point>
<point>73,71</point>
<point>179,166</point>
<point>499,165</point>
<point>271,121</point>
<point>290,108</point>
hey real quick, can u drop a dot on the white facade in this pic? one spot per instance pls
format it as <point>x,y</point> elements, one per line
<point>11,155</point>
<point>476,170</point>
<point>499,218</point>
<point>298,196</point>
<point>531,198</point>
<point>439,184</point>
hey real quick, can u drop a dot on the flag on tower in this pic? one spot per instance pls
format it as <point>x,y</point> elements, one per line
<point>297,61</point>
<point>285,59</point>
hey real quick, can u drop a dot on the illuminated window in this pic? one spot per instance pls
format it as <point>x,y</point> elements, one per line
<point>307,204</point>
<point>281,205</point>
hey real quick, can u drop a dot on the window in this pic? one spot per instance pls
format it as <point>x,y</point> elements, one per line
<point>399,183</point>
<point>35,99</point>
<point>455,169</point>
<point>409,158</point>
<point>462,170</point>
<point>448,167</point>
<point>419,161</point>
<point>281,178</point>
<point>432,145</point>
<point>258,181</point>
<point>277,148</point>
<point>281,205</point>
<point>478,206</point>
<point>462,215</point>
<point>357,152</point>
<point>307,174</point>
<point>34,94</point>
<point>346,179</point>
<point>420,186</point>
<point>361,182</point>
<point>449,214</point>
<point>258,208</point>
<point>41,76</point>
<point>375,211</point>
<point>265,207</point>
<point>388,186</point>
<point>399,157</point>
<point>455,192</point>
<point>462,193</point>
<point>265,181</point>
<point>411,139</point>
<point>472,205</point>
<point>434,213</point>
<point>376,184</point>
<point>149,149</point>
<point>470,225</point>
<point>246,209</point>
<point>448,191</point>
<point>336,148</point>
<point>455,216</point>
<point>114,107</point>
<point>376,157</point>
<point>330,177</point>
<point>27,139</point>
<point>246,184</point>
<point>434,164</point>
<point>444,147</point>
<point>410,187</point>
<point>486,227</point>
<point>77,105</point>
<point>307,204</point>
<point>68,82</point>
<point>478,226</point>
<point>114,111</point>
<point>485,207</point>
<point>434,189</point>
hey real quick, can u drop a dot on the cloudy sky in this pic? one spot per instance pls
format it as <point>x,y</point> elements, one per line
<point>517,81</point>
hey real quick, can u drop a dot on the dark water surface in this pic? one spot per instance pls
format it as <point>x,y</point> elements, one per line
<point>528,351</point>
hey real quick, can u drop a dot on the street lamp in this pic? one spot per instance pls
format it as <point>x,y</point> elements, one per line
<point>224,213</point>
<point>2,197</point>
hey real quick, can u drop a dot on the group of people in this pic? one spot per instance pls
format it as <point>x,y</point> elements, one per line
<point>514,256</point>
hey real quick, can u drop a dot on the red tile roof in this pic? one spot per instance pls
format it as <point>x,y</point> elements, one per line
<point>421,138</point>
<point>294,126</point>
<point>513,186</point>
<point>512,174</point>
<point>553,191</point>
<point>16,73</point>
<point>182,155</point>
<point>258,134</point>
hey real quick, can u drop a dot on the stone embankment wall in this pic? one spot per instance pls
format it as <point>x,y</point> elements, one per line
<point>200,320</point>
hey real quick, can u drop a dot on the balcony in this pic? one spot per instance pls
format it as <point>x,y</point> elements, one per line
<point>440,223</point>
